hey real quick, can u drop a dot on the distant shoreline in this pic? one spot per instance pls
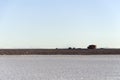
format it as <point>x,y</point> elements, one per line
<point>59,51</point>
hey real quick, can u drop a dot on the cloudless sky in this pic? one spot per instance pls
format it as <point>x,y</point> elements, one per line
<point>59,23</point>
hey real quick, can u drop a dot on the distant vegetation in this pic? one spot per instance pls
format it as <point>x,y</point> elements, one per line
<point>71,48</point>
<point>91,47</point>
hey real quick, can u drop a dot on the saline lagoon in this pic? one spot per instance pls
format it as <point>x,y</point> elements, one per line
<point>60,67</point>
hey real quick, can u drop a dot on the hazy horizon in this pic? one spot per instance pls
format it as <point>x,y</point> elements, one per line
<point>59,23</point>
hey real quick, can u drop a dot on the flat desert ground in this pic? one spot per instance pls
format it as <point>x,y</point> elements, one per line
<point>59,51</point>
<point>60,67</point>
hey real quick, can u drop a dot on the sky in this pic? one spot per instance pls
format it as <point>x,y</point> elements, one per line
<point>59,23</point>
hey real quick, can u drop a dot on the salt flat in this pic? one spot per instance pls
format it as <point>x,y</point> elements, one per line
<point>60,67</point>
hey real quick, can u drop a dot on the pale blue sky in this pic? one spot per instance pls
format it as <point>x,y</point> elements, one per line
<point>59,23</point>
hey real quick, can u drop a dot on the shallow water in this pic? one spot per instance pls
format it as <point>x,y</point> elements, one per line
<point>60,67</point>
